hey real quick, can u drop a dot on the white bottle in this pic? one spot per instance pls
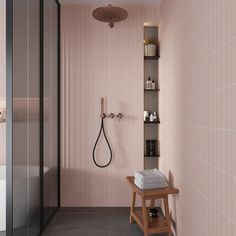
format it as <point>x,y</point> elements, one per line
<point>145,115</point>
<point>151,117</point>
<point>153,85</point>
<point>149,83</point>
<point>154,116</point>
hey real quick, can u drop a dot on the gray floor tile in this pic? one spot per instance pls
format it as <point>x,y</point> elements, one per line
<point>127,230</point>
<point>118,219</point>
<point>83,221</point>
<point>114,223</point>
<point>76,232</point>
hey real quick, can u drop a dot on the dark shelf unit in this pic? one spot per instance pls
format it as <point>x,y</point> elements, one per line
<point>151,90</point>
<point>151,57</point>
<point>155,156</point>
<point>151,101</point>
<point>151,122</point>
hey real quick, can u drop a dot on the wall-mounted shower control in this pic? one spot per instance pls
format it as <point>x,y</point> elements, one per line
<point>103,115</point>
<point>111,115</point>
<point>119,116</point>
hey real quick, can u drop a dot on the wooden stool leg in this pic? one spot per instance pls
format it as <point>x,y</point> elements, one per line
<point>167,213</point>
<point>152,204</point>
<point>131,221</point>
<point>145,219</point>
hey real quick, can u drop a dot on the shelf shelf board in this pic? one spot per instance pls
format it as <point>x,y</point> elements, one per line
<point>151,156</point>
<point>151,57</point>
<point>151,122</point>
<point>151,90</point>
<point>155,225</point>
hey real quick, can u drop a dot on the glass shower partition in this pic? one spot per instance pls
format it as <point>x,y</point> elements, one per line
<point>32,115</point>
<point>26,123</point>
<point>2,117</point>
<point>51,109</point>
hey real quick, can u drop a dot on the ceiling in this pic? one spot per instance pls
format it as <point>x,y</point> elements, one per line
<point>115,2</point>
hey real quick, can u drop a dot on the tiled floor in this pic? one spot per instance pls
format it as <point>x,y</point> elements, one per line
<point>109,223</point>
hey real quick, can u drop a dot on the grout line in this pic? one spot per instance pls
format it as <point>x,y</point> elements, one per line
<point>202,161</point>
<point>203,59</point>
<point>194,216</point>
<point>203,93</point>
<point>201,193</point>
<point>198,31</point>
<point>199,127</point>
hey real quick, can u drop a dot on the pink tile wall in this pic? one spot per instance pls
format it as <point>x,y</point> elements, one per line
<point>2,79</point>
<point>101,62</point>
<point>198,116</point>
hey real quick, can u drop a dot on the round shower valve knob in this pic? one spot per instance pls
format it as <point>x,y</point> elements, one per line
<point>119,115</point>
<point>111,115</point>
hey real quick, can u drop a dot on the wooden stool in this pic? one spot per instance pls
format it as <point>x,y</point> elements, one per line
<point>147,224</point>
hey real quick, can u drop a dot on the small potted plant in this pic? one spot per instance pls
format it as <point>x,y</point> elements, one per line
<point>150,47</point>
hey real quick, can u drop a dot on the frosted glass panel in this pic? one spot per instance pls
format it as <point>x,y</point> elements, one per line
<point>50,107</point>
<point>26,117</point>
<point>2,122</point>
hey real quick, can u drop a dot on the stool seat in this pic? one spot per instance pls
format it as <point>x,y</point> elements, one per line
<point>153,225</point>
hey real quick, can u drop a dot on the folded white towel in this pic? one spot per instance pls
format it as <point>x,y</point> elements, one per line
<point>150,186</point>
<point>154,181</point>
<point>150,176</point>
<point>149,179</point>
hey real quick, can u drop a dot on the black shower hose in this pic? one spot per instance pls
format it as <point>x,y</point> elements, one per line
<point>100,132</point>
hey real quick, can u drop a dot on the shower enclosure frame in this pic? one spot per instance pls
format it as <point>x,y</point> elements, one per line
<point>9,120</point>
<point>43,225</point>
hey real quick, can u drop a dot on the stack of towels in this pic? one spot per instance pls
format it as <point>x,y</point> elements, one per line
<point>149,179</point>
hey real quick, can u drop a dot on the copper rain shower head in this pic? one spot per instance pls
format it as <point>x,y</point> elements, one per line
<point>110,14</point>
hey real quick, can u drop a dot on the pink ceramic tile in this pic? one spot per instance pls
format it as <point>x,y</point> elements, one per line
<point>101,62</point>
<point>197,79</point>
<point>196,106</point>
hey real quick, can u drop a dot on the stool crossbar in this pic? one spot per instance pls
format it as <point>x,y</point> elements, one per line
<point>161,224</point>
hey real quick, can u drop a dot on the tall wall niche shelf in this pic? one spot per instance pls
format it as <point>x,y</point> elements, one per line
<point>151,129</point>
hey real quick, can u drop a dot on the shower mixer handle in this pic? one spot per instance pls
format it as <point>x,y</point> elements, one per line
<point>111,115</point>
<point>119,116</point>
